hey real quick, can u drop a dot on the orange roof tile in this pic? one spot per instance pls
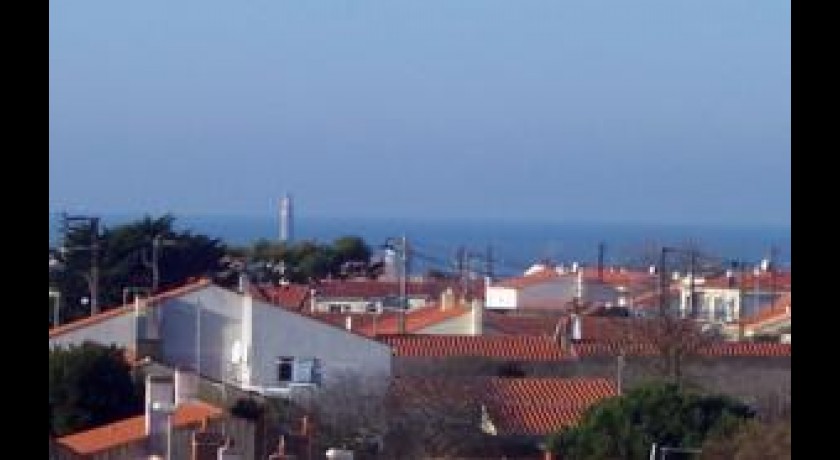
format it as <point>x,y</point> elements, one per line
<point>765,281</point>
<point>134,429</point>
<point>610,276</point>
<point>545,274</point>
<point>778,311</point>
<point>366,289</point>
<point>619,276</point>
<point>387,322</point>
<point>291,296</point>
<point>718,349</point>
<point>519,324</point>
<point>127,308</point>
<point>516,347</point>
<point>539,406</point>
<point>515,406</point>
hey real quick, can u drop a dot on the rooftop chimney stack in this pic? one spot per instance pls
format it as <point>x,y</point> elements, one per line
<point>160,404</point>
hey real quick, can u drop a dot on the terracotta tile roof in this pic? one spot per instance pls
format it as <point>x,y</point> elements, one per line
<point>127,308</point>
<point>650,298</point>
<point>718,349</point>
<point>762,349</point>
<point>519,324</point>
<point>539,406</point>
<point>765,280</point>
<point>779,311</point>
<point>516,347</point>
<point>618,276</point>
<point>611,276</point>
<point>367,289</point>
<point>134,429</point>
<point>514,406</point>
<point>387,322</point>
<point>543,275</point>
<point>290,296</point>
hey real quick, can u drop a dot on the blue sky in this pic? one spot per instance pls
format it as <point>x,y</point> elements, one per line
<point>593,111</point>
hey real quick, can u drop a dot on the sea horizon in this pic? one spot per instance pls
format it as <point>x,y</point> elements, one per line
<point>515,245</point>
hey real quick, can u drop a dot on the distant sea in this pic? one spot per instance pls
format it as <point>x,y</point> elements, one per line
<point>514,246</point>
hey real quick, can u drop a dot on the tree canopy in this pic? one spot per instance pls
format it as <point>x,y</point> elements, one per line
<point>306,261</point>
<point>126,260</point>
<point>661,413</point>
<point>90,385</point>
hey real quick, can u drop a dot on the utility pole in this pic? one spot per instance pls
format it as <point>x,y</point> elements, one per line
<point>403,283</point>
<point>93,247</point>
<point>691,297</point>
<point>663,282</point>
<point>489,262</point>
<point>158,243</point>
<point>57,296</point>
<point>461,264</point>
<point>602,247</point>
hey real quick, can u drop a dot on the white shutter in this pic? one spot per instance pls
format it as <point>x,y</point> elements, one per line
<point>302,370</point>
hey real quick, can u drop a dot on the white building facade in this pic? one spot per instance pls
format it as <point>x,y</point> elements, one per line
<point>232,338</point>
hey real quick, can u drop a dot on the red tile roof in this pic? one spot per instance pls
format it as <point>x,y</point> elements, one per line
<point>718,349</point>
<point>539,406</point>
<point>290,296</point>
<point>514,406</point>
<point>523,348</point>
<point>610,276</point>
<point>779,311</point>
<point>618,276</point>
<point>651,298</point>
<point>543,275</point>
<point>765,281</point>
<point>127,308</point>
<point>520,324</point>
<point>387,322</point>
<point>366,289</point>
<point>134,429</point>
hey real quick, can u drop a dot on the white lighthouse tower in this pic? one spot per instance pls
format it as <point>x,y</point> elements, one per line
<point>286,219</point>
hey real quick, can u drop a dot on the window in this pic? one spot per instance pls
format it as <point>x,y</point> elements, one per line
<point>285,366</point>
<point>298,370</point>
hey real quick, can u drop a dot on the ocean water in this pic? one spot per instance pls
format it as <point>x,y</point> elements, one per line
<point>514,246</point>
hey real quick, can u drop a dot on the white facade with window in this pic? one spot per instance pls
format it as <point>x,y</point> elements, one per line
<point>226,336</point>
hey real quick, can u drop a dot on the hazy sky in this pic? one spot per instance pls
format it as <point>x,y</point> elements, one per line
<point>655,111</point>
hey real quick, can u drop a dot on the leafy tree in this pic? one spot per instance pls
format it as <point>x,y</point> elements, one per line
<point>90,385</point>
<point>662,413</point>
<point>126,260</point>
<point>304,261</point>
<point>753,440</point>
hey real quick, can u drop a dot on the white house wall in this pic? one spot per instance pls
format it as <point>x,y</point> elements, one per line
<point>117,330</point>
<point>202,324</point>
<point>500,297</point>
<point>280,333</point>
<point>274,332</point>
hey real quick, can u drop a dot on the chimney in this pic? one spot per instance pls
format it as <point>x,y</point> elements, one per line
<point>730,278</point>
<point>576,328</point>
<point>243,283</point>
<point>447,298</point>
<point>561,334</point>
<point>186,387</point>
<point>476,317</point>
<point>160,404</point>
